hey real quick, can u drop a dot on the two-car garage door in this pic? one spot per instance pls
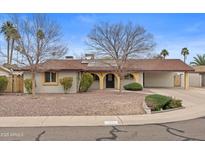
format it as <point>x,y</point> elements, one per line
<point>159,79</point>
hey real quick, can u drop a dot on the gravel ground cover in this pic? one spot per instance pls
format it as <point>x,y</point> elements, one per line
<point>90,103</point>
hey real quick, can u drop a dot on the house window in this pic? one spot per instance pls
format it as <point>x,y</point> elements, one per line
<point>129,77</point>
<point>50,77</point>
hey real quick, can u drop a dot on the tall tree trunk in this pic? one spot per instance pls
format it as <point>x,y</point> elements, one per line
<point>12,49</point>
<point>184,59</point>
<point>120,74</point>
<point>121,81</point>
<point>8,48</point>
<point>33,84</point>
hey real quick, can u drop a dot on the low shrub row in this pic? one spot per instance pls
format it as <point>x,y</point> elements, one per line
<point>158,102</point>
<point>134,86</point>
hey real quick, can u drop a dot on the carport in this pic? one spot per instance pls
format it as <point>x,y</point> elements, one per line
<point>165,73</point>
<point>165,79</point>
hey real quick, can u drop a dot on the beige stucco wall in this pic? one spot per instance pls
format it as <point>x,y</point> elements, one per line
<point>126,81</point>
<point>141,78</point>
<point>203,80</point>
<point>195,80</point>
<point>159,79</point>
<point>41,88</point>
<point>95,85</point>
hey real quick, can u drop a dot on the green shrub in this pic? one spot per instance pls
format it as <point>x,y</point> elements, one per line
<point>86,82</point>
<point>174,103</point>
<point>157,102</point>
<point>133,86</point>
<point>3,83</point>
<point>28,85</point>
<point>66,82</point>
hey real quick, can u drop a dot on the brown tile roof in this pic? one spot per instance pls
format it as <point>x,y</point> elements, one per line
<point>101,65</point>
<point>159,65</point>
<point>148,65</point>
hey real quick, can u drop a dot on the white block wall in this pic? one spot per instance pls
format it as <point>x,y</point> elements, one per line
<point>195,80</point>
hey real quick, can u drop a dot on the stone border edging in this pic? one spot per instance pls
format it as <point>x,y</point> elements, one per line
<point>168,110</point>
<point>146,108</point>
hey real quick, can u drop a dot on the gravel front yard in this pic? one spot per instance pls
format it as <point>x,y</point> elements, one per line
<point>90,103</point>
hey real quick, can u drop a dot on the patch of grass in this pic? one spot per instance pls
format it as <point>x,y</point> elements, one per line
<point>157,102</point>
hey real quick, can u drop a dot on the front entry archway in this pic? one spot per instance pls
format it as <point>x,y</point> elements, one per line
<point>110,81</point>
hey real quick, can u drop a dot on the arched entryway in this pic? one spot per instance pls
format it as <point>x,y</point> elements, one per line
<point>110,81</point>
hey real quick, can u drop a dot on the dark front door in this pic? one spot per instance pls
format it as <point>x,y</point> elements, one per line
<point>110,81</point>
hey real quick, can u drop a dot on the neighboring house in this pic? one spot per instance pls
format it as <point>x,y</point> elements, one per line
<point>4,71</point>
<point>148,72</point>
<point>197,78</point>
<point>15,80</point>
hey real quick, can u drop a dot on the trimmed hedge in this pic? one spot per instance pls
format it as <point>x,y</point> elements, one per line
<point>86,82</point>
<point>157,102</point>
<point>134,86</point>
<point>28,85</point>
<point>66,82</point>
<point>3,83</point>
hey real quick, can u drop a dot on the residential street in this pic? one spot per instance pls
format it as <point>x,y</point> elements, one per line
<point>190,130</point>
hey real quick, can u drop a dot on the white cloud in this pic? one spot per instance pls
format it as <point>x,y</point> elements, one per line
<point>88,19</point>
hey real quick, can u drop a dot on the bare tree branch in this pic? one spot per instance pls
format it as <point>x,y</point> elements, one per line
<point>40,39</point>
<point>120,42</point>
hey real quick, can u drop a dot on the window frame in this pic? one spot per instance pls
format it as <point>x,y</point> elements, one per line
<point>50,82</point>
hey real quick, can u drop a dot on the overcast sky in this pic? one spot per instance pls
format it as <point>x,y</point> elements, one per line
<point>171,31</point>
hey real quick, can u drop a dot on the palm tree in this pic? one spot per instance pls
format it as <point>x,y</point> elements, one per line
<point>164,53</point>
<point>199,60</point>
<point>14,37</point>
<point>6,29</point>
<point>185,52</point>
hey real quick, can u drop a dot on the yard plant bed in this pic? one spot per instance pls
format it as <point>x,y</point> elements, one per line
<point>89,103</point>
<point>158,102</point>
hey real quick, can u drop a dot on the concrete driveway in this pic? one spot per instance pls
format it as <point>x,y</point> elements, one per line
<point>190,97</point>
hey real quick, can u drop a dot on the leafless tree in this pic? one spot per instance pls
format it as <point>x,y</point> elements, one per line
<point>120,42</point>
<point>40,39</point>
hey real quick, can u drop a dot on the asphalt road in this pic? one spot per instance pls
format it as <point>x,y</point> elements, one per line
<point>190,130</point>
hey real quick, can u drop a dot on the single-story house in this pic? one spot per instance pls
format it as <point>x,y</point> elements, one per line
<point>148,72</point>
<point>197,78</point>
